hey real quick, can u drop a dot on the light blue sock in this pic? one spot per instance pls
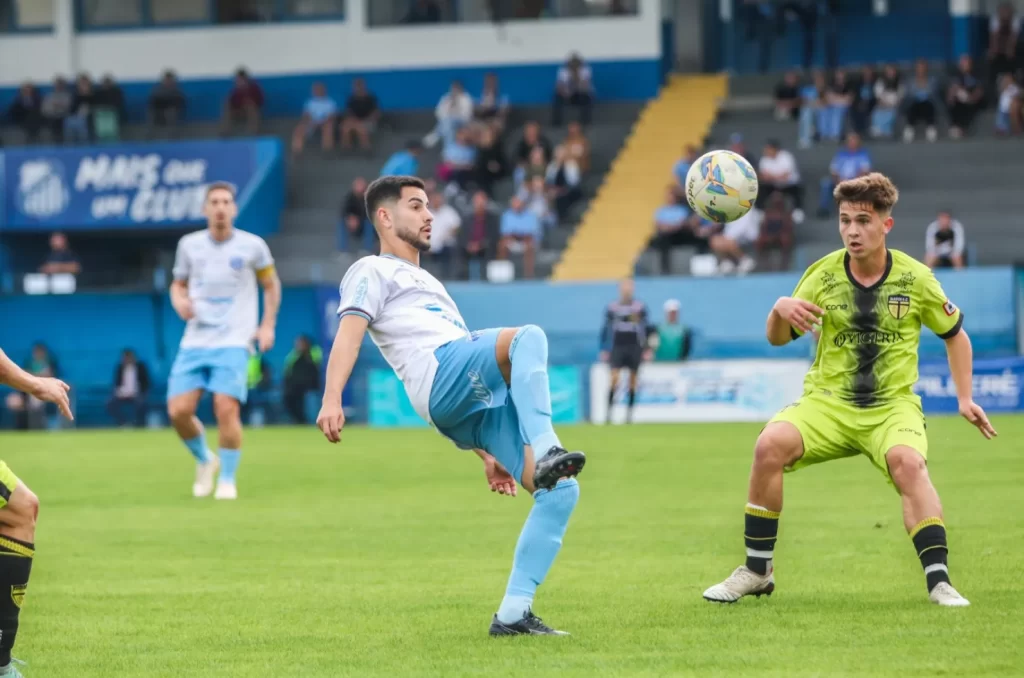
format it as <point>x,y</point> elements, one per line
<point>197,446</point>
<point>530,391</point>
<point>538,544</point>
<point>228,465</point>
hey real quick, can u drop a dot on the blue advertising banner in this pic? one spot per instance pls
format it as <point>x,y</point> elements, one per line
<point>119,186</point>
<point>997,386</point>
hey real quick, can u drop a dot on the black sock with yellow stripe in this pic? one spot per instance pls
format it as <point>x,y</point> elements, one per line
<point>761,527</point>
<point>929,537</point>
<point>15,568</point>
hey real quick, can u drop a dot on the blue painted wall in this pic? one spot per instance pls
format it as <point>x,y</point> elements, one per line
<point>404,89</point>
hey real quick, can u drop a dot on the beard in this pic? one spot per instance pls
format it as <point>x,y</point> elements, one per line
<point>414,238</point>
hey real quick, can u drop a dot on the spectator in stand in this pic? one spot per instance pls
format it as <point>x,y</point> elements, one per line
<point>563,178</point>
<point>361,115</point>
<point>244,103</point>
<point>111,112</point>
<point>535,196</point>
<point>671,339</point>
<point>78,124</point>
<point>676,226</point>
<point>453,111</point>
<point>964,98</point>
<point>318,115</point>
<point>775,234</point>
<point>423,12</point>
<point>1008,113</point>
<point>302,368</point>
<point>944,242</point>
<point>444,234</point>
<point>573,88</point>
<point>535,166</point>
<point>406,161</point>
<point>492,106</point>
<point>682,166</point>
<point>355,228</point>
<point>729,245</point>
<point>1003,37</point>
<point>864,101</point>
<point>491,163</point>
<point>166,103</point>
<point>838,99</point>
<point>888,100</point>
<point>812,109</point>
<point>777,171</point>
<point>480,235</point>
<point>520,228</point>
<point>131,389</point>
<point>787,97</point>
<point>739,147</point>
<point>458,159</point>
<point>60,259</point>
<point>57,107</point>
<point>532,138</point>
<point>850,162</point>
<point>26,111</point>
<point>922,108</point>
<point>577,146</point>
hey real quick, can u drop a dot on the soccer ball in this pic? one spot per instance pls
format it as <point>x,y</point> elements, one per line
<point>721,186</point>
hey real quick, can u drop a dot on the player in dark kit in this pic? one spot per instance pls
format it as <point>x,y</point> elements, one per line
<point>19,508</point>
<point>624,342</point>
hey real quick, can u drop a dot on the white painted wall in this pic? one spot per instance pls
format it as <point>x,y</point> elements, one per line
<point>278,49</point>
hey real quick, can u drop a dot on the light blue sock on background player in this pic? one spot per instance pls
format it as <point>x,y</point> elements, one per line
<point>229,460</point>
<point>530,390</point>
<point>197,446</point>
<point>538,544</point>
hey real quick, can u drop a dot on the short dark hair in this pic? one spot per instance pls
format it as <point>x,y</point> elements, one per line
<point>220,186</point>
<point>773,143</point>
<point>388,188</point>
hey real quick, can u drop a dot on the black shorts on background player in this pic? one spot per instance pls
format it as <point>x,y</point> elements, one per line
<point>628,357</point>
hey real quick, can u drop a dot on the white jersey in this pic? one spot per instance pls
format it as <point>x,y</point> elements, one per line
<point>222,285</point>
<point>410,316</point>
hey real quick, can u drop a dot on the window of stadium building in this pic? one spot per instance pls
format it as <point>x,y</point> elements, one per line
<point>409,12</point>
<point>21,15</point>
<point>127,13</point>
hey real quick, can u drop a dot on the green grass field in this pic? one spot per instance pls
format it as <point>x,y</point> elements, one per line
<point>387,556</point>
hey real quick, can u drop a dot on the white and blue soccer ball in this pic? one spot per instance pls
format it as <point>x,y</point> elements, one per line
<point>721,186</point>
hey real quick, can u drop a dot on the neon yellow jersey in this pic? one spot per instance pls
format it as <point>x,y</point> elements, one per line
<point>867,354</point>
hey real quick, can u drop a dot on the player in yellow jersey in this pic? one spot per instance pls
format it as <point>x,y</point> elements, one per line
<point>18,510</point>
<point>867,305</point>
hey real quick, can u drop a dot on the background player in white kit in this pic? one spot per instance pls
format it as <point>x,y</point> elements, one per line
<point>486,391</point>
<point>215,292</point>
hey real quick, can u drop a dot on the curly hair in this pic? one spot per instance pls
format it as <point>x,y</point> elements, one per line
<point>873,189</point>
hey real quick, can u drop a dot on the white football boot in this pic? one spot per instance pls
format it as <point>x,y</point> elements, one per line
<point>226,491</point>
<point>205,475</point>
<point>742,582</point>
<point>945,595</point>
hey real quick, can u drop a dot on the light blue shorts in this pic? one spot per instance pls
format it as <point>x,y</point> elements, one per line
<point>215,370</point>
<point>471,404</point>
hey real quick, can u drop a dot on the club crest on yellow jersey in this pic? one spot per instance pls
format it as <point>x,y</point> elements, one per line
<point>899,305</point>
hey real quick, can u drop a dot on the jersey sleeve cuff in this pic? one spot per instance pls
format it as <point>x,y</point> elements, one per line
<point>355,311</point>
<point>793,334</point>
<point>955,330</point>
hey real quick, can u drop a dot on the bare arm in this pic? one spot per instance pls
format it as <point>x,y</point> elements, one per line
<point>46,389</point>
<point>271,285</point>
<point>960,354</point>
<point>180,299</point>
<point>778,331</point>
<point>15,377</point>
<point>791,315</point>
<point>343,356</point>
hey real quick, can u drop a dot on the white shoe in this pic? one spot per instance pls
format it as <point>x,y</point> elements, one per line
<point>931,134</point>
<point>945,595</point>
<point>226,491</point>
<point>205,475</point>
<point>726,266</point>
<point>742,582</point>
<point>746,266</point>
<point>798,216</point>
<point>908,134</point>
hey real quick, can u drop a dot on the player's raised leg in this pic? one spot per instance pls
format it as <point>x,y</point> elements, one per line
<point>184,389</point>
<point>536,550</point>
<point>523,360</point>
<point>779,445</point>
<point>922,517</point>
<point>19,508</point>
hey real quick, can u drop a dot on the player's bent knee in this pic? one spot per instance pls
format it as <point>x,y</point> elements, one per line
<point>531,335</point>
<point>226,408</point>
<point>179,408</point>
<point>21,511</point>
<point>906,467</point>
<point>778,446</point>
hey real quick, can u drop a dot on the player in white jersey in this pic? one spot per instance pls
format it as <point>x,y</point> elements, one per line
<point>486,391</point>
<point>217,272</point>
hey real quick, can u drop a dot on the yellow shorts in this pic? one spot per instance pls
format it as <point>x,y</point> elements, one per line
<point>8,481</point>
<point>835,429</point>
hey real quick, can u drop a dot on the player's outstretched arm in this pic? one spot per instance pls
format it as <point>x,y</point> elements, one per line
<point>791,314</point>
<point>343,356</point>
<point>960,353</point>
<point>46,389</point>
